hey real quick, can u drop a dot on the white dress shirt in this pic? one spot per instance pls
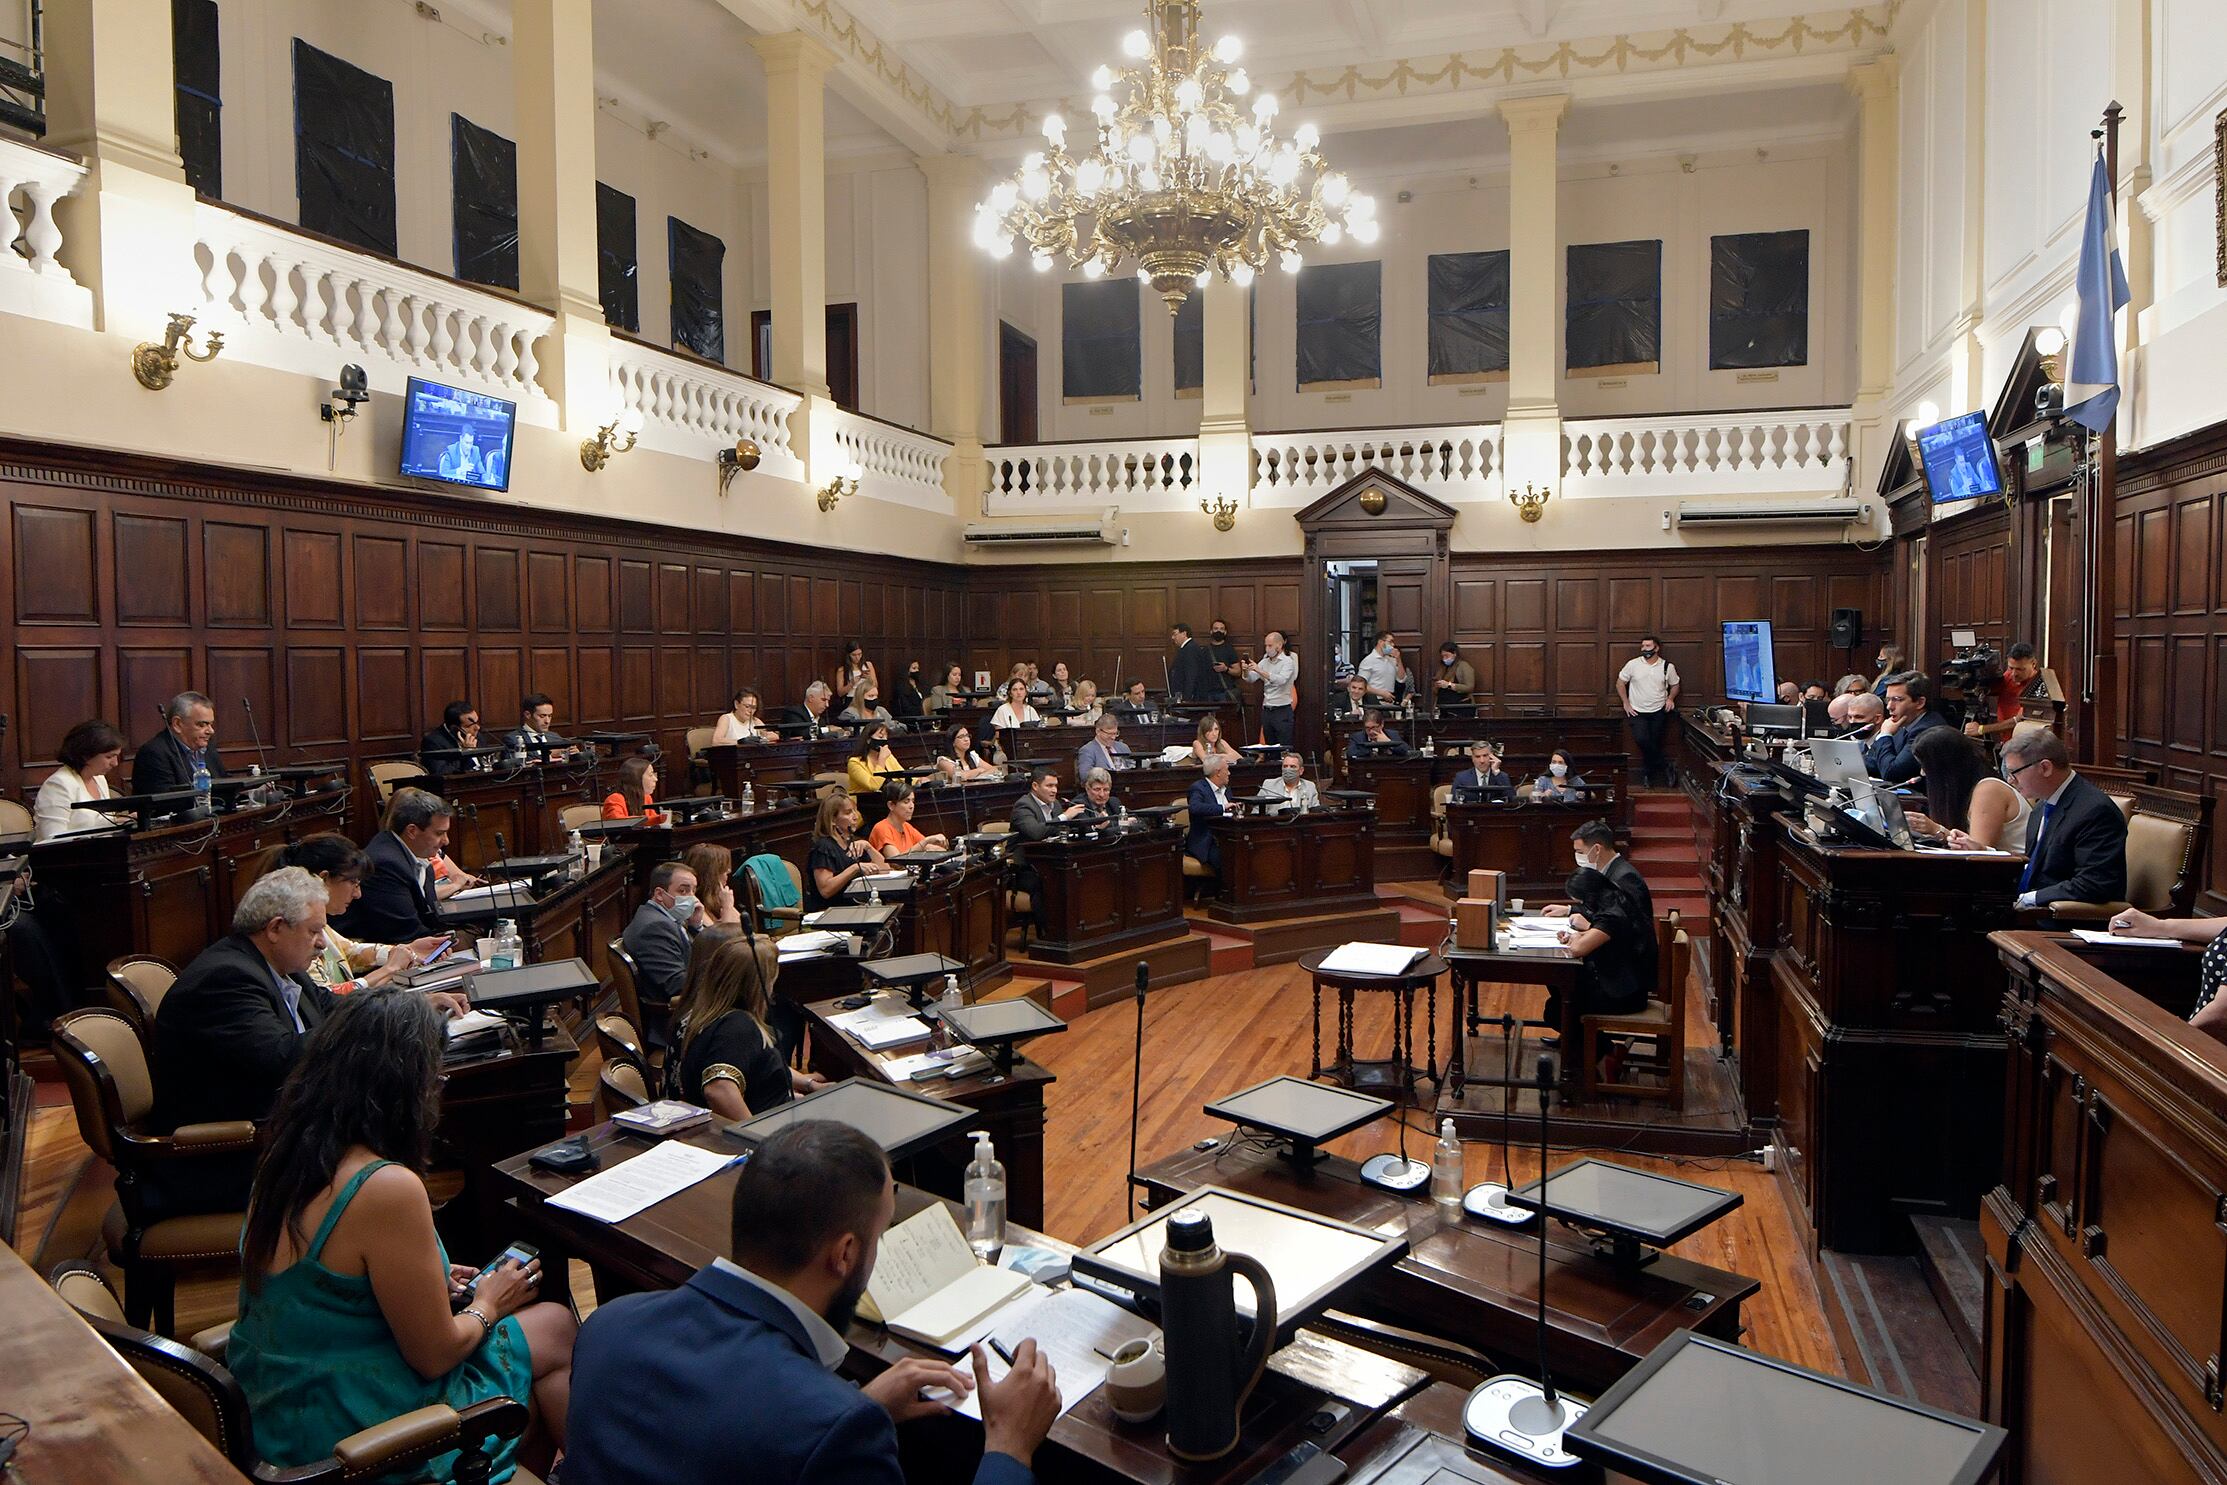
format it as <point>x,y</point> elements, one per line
<point>1647,682</point>
<point>1380,670</point>
<point>1277,673</point>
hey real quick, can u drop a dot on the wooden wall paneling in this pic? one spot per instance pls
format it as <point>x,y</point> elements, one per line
<point>56,563</point>
<point>152,585</point>
<point>52,682</point>
<point>382,587</point>
<point>316,699</point>
<point>548,593</point>
<point>500,686</point>
<point>386,719</point>
<point>440,585</point>
<point>495,590</point>
<point>315,588</point>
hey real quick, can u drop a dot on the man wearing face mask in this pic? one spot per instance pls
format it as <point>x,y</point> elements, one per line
<point>1292,785</point>
<point>1277,672</point>
<point>1648,688</point>
<point>1223,652</point>
<point>1594,845</point>
<point>658,938</point>
<point>1383,671</point>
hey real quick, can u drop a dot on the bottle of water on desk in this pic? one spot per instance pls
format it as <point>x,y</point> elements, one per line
<point>749,800</point>
<point>1446,1170</point>
<point>985,1196</point>
<point>577,850</point>
<point>200,778</point>
<point>507,950</point>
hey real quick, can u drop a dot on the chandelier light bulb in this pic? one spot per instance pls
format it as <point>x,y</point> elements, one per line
<point>1242,275</point>
<point>1203,277</point>
<point>1002,249</point>
<point>1144,276</point>
<point>1103,107</point>
<point>1036,185</point>
<point>1095,268</point>
<point>985,229</point>
<point>1220,147</point>
<point>1265,106</point>
<point>1148,179</point>
<point>1143,148</point>
<point>1290,260</point>
<point>1238,83</point>
<point>1189,96</point>
<point>1361,209</point>
<point>1248,139</point>
<point>1032,161</point>
<point>1306,136</point>
<point>1090,177</point>
<point>1136,44</point>
<point>1335,189</point>
<point>1162,129</point>
<point>1367,232</point>
<point>1102,79</point>
<point>1055,130</point>
<point>1284,169</point>
<point>1228,49</point>
<point>1332,235</point>
<point>1041,262</point>
<point>1003,195</point>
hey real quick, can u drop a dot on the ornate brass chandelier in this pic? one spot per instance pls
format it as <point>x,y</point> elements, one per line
<point>1183,178</point>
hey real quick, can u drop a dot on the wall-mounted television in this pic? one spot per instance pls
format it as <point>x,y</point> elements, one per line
<point>1959,459</point>
<point>1750,669</point>
<point>457,437</point>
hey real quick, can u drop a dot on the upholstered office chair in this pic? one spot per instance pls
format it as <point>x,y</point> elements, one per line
<point>831,783</point>
<point>654,1018</point>
<point>621,1085</point>
<point>573,816</point>
<point>618,1040</point>
<point>699,771</point>
<point>199,1389</point>
<point>136,985</point>
<point>391,774</point>
<point>1659,1026</point>
<point>2161,857</point>
<point>1442,839</point>
<point>15,819</point>
<point>1196,873</point>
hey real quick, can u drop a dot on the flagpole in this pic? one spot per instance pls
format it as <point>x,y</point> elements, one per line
<point>2099,740</point>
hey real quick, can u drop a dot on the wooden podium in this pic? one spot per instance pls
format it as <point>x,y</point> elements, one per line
<point>1530,843</point>
<point>1286,866</point>
<point>1402,787</point>
<point>1104,894</point>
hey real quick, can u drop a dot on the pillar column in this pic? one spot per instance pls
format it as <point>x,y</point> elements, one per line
<point>1875,86</point>
<point>958,325</point>
<point>1968,358</point>
<point>1225,433</point>
<point>796,203</point>
<point>1531,435</point>
<point>128,232</point>
<point>553,70</point>
<point>2135,86</point>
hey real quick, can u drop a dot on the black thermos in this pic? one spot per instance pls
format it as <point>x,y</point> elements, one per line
<point>1209,1373</point>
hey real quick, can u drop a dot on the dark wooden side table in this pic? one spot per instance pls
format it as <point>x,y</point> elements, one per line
<point>1398,1072</point>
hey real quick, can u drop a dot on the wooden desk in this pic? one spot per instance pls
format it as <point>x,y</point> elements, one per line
<point>92,1418</point>
<point>1477,1282</point>
<point>1101,895</point>
<point>960,914</point>
<point>2106,1287</point>
<point>954,810</point>
<point>1402,787</point>
<point>1285,866</point>
<point>1396,1074</point>
<point>493,1104</point>
<point>576,921</point>
<point>1552,970</point>
<point>1889,1045</point>
<point>1742,871</point>
<point>784,829</point>
<point>1012,1110</point>
<point>1529,842</point>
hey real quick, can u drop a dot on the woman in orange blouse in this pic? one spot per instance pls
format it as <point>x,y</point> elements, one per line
<point>637,787</point>
<point>896,833</point>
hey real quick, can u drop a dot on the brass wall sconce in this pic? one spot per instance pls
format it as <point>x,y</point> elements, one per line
<point>740,459</point>
<point>614,437</point>
<point>156,365</point>
<point>843,484</point>
<point>2049,344</point>
<point>1532,503</point>
<point>1223,510</point>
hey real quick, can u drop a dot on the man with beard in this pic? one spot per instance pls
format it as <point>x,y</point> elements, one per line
<point>655,1394</point>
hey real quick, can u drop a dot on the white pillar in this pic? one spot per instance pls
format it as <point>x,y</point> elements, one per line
<point>1875,86</point>
<point>1968,357</point>
<point>959,327</point>
<point>553,68</point>
<point>1225,434</point>
<point>1531,436</point>
<point>2135,87</point>
<point>128,232</point>
<point>796,205</point>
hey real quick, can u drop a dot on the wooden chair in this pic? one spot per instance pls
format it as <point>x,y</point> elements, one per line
<point>199,1389</point>
<point>393,773</point>
<point>775,920</point>
<point>699,769</point>
<point>1661,1024</point>
<point>1196,873</point>
<point>105,1066</point>
<point>1442,840</point>
<point>136,985</point>
<point>653,1017</point>
<point>15,819</point>
<point>621,1085</point>
<point>618,1040</point>
<point>573,816</point>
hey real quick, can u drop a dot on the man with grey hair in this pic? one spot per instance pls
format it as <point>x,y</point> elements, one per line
<point>183,753</point>
<point>2078,849</point>
<point>1292,785</point>
<point>809,717</point>
<point>1865,711</point>
<point>1209,797</point>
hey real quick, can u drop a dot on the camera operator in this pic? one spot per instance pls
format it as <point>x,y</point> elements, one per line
<point>2019,675</point>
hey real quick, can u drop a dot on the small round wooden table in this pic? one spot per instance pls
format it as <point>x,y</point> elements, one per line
<point>1398,1073</point>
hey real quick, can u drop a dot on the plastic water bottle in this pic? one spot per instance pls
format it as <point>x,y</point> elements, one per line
<point>506,945</point>
<point>749,800</point>
<point>201,777</point>
<point>577,850</point>
<point>985,1194</point>
<point>873,892</point>
<point>1446,1170</point>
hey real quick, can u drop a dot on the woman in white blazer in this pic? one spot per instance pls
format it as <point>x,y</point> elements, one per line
<point>91,752</point>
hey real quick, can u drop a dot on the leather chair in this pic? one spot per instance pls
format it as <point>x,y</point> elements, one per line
<point>573,816</point>
<point>15,819</point>
<point>1196,873</point>
<point>2166,837</point>
<point>618,1040</point>
<point>1660,1024</point>
<point>200,1390</point>
<point>391,774</point>
<point>136,985</point>
<point>652,1018</point>
<point>775,920</point>
<point>1442,840</point>
<point>621,1085</point>
<point>699,771</point>
<point>105,1066</point>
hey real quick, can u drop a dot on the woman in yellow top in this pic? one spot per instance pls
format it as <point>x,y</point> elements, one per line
<point>1209,744</point>
<point>871,758</point>
<point>637,788</point>
<point>344,966</point>
<point>896,834</point>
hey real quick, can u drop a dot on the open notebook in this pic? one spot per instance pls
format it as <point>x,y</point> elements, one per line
<point>928,1287</point>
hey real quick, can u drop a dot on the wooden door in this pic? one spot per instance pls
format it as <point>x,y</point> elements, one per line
<point>1016,386</point>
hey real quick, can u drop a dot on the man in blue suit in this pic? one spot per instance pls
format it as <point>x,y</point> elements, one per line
<point>1209,797</point>
<point>1909,717</point>
<point>732,1376</point>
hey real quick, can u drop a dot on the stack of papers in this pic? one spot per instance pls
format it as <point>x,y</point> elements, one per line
<point>641,1183</point>
<point>1077,1331</point>
<point>494,894</point>
<point>883,1022</point>
<point>2123,940</point>
<point>1371,959</point>
<point>928,1286</point>
<point>1536,933</point>
<point>472,1023</point>
<point>804,945</point>
<point>955,1062</point>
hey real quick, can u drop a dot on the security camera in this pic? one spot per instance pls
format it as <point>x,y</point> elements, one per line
<point>341,402</point>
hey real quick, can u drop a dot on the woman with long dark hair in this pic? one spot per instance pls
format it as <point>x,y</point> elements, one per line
<point>636,790</point>
<point>839,854</point>
<point>871,757</point>
<point>727,1052</point>
<point>346,1292</point>
<point>961,764</point>
<point>1964,802</point>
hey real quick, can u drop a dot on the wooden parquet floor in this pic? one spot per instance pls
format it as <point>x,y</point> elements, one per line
<point>1200,1041</point>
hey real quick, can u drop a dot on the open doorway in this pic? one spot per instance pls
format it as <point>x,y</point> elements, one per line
<point>1352,600</point>
<point>842,351</point>
<point>1016,386</point>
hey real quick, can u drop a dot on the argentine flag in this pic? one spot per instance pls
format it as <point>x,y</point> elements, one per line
<point>2092,384</point>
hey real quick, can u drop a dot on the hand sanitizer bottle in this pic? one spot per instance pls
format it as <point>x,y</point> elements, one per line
<point>1446,1170</point>
<point>985,1197</point>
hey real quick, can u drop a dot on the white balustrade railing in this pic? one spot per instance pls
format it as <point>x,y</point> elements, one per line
<point>1455,462</point>
<point>290,301</point>
<point>896,464</point>
<point>33,281</point>
<point>1798,451</point>
<point>1137,474</point>
<point>690,406</point>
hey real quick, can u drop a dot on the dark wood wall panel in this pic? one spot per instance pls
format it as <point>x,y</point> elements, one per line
<point>349,618</point>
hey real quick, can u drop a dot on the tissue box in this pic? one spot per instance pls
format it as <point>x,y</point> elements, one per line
<point>1491,886</point>
<point>1473,922</point>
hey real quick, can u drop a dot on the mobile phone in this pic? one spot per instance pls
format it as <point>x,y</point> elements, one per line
<point>518,1253</point>
<point>439,951</point>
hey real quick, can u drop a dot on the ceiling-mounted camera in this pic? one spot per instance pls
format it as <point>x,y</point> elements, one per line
<point>342,401</point>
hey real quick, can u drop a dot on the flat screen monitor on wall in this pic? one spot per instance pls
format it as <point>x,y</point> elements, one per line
<point>457,437</point>
<point>1959,459</point>
<point>1750,670</point>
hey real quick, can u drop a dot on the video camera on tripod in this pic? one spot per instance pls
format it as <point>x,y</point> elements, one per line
<point>1969,681</point>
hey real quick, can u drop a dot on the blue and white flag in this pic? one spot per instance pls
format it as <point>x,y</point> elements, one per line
<point>2092,384</point>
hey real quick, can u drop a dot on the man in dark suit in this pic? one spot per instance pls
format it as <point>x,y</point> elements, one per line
<point>654,1395</point>
<point>537,721</point>
<point>398,901</point>
<point>439,749</point>
<point>2078,838</point>
<point>1191,671</point>
<point>657,940</point>
<point>1032,817</point>
<point>1209,797</point>
<point>1375,740</point>
<point>1596,847</point>
<point>1909,717</point>
<point>811,716</point>
<point>1133,705</point>
<point>187,742</point>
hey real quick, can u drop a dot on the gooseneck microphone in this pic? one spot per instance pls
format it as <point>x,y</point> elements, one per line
<point>1136,1081</point>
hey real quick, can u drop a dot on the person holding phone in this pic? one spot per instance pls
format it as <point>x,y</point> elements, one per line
<point>343,965</point>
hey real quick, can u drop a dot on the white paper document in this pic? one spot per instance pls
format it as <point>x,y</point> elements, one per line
<point>641,1183</point>
<point>1077,1331</point>
<point>494,894</point>
<point>1371,959</point>
<point>471,1023</point>
<point>2123,940</point>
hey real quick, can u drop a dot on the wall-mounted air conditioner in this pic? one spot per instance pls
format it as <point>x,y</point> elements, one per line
<point>1042,533</point>
<point>1835,512</point>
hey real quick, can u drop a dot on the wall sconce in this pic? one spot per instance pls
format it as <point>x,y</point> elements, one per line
<point>155,365</point>
<point>1532,503</point>
<point>2049,344</point>
<point>843,484</point>
<point>614,437</point>
<point>740,459</point>
<point>1223,510</point>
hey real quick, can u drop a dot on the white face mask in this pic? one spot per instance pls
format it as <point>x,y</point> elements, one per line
<point>1291,775</point>
<point>1582,863</point>
<point>1558,769</point>
<point>685,907</point>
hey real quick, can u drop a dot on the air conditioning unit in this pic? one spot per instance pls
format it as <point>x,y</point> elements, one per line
<point>1835,512</point>
<point>1042,533</point>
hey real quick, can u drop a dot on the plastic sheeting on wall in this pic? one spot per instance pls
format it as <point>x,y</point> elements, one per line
<point>1099,328</point>
<point>483,173</point>
<point>343,150</point>
<point>1758,300</point>
<point>1615,311</point>
<point>1340,323</point>
<point>697,260</point>
<point>1468,313</point>
<point>196,68</point>
<point>617,259</point>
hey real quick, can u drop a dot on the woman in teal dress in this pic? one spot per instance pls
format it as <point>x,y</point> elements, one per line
<point>346,1314</point>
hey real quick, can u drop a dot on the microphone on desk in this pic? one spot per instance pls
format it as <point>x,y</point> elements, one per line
<point>1136,1081</point>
